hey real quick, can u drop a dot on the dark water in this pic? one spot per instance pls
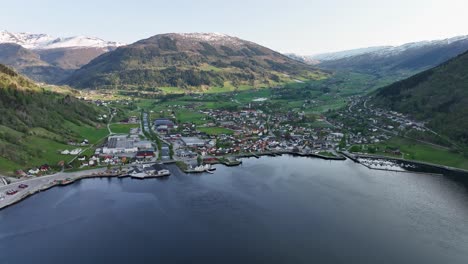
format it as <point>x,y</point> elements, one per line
<point>270,210</point>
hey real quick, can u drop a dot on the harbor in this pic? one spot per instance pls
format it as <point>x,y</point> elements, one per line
<point>377,162</point>
<point>20,190</point>
<point>283,195</point>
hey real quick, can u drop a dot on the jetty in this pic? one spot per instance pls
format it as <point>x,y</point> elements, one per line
<point>408,165</point>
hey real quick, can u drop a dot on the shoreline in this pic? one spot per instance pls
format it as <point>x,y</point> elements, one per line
<point>285,152</point>
<point>47,182</point>
<point>420,166</point>
<point>71,179</point>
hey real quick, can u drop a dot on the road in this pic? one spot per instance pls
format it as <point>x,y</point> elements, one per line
<point>37,183</point>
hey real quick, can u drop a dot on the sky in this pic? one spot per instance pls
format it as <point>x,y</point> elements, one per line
<point>299,26</point>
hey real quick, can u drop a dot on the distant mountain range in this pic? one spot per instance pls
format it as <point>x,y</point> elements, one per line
<point>345,54</point>
<point>397,61</point>
<point>438,96</point>
<point>44,41</point>
<point>207,60</point>
<point>44,58</point>
<point>191,61</point>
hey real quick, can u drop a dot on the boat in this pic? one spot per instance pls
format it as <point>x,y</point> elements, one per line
<point>162,173</point>
<point>208,167</point>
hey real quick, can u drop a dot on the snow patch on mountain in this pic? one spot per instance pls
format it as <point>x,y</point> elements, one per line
<point>346,53</point>
<point>213,38</point>
<point>44,41</point>
<point>384,51</point>
<point>415,45</point>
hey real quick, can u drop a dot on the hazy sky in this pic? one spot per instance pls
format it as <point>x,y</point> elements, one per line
<point>300,26</point>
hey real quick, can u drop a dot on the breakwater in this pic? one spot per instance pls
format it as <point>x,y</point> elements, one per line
<point>414,166</point>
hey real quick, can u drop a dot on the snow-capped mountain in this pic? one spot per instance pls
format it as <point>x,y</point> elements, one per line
<point>44,41</point>
<point>213,38</point>
<point>346,53</point>
<point>395,50</point>
<point>400,61</point>
<point>180,59</point>
<point>386,50</point>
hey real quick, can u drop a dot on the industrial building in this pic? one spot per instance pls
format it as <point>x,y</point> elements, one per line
<point>125,144</point>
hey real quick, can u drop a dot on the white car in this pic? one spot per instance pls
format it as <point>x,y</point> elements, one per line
<point>2,197</point>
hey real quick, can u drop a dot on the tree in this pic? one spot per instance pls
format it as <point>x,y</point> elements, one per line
<point>342,143</point>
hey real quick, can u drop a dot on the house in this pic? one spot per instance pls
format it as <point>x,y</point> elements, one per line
<point>34,171</point>
<point>44,168</point>
<point>145,154</point>
<point>20,173</point>
<point>75,151</point>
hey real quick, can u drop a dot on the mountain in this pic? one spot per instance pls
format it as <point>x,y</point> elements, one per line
<point>37,119</point>
<point>48,59</point>
<point>438,96</point>
<point>345,54</point>
<point>44,41</point>
<point>31,64</point>
<point>191,61</point>
<point>398,62</point>
<point>301,58</point>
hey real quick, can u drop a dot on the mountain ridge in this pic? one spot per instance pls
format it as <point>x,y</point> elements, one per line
<point>190,60</point>
<point>438,96</point>
<point>382,50</point>
<point>45,41</point>
<point>49,59</point>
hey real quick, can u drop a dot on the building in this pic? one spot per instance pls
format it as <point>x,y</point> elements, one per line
<point>193,142</point>
<point>123,144</point>
<point>163,124</point>
<point>145,154</point>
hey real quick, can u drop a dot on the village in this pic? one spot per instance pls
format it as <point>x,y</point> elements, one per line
<point>223,135</point>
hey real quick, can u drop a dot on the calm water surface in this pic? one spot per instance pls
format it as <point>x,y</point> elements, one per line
<point>269,210</point>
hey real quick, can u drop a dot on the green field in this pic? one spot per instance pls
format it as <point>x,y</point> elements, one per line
<point>414,150</point>
<point>186,116</point>
<point>35,151</point>
<point>122,128</point>
<point>92,134</point>
<point>8,167</point>
<point>215,130</point>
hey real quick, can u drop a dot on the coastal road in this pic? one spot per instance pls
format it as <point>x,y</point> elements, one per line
<point>38,183</point>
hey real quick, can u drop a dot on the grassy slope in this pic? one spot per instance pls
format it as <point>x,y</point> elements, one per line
<point>122,128</point>
<point>422,152</point>
<point>37,122</point>
<point>164,62</point>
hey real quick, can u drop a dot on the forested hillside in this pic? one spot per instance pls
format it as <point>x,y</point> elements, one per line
<point>191,61</point>
<point>34,118</point>
<point>438,96</point>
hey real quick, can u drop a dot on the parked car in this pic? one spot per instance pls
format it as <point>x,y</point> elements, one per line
<point>23,186</point>
<point>11,192</point>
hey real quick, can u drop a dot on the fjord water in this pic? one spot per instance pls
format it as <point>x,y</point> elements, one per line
<point>269,210</point>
